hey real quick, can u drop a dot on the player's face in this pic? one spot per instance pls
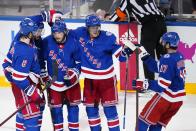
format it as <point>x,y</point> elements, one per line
<point>94,31</point>
<point>59,36</point>
<point>39,33</point>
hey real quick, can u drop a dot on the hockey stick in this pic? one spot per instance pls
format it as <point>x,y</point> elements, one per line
<point>48,84</point>
<point>126,87</point>
<point>137,93</point>
<point>126,80</point>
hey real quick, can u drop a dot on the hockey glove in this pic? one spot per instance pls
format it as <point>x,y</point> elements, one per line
<point>140,84</point>
<point>143,53</point>
<point>127,51</point>
<point>44,76</point>
<point>34,78</point>
<point>51,16</point>
<point>34,93</point>
<point>72,77</point>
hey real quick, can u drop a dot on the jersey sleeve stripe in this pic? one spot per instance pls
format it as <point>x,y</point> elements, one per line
<point>117,52</point>
<point>163,82</point>
<point>20,73</point>
<point>7,60</point>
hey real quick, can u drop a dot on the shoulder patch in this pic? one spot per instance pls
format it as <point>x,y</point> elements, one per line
<point>108,33</point>
<point>166,56</point>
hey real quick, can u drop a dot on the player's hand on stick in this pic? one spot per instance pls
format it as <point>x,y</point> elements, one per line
<point>140,84</point>
<point>44,76</point>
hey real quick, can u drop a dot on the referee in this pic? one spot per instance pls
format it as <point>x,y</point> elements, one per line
<point>152,21</point>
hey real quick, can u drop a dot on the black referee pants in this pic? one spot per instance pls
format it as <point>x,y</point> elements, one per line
<point>150,36</point>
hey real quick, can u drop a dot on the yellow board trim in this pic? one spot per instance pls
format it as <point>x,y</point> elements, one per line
<point>189,87</point>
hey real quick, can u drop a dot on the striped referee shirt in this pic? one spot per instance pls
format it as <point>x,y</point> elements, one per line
<point>142,10</point>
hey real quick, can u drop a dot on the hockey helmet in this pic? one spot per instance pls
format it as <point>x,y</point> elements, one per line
<point>28,26</point>
<point>171,38</point>
<point>59,26</point>
<point>92,20</point>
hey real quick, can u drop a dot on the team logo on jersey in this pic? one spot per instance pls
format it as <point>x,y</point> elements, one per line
<point>163,68</point>
<point>24,63</point>
<point>108,33</point>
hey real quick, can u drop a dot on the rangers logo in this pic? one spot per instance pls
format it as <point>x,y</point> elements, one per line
<point>24,63</point>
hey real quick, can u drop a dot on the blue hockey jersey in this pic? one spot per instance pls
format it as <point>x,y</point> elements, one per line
<point>97,53</point>
<point>171,79</point>
<point>8,59</point>
<point>67,55</point>
<point>24,61</point>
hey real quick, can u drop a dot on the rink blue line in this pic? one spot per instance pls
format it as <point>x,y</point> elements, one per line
<point>169,23</point>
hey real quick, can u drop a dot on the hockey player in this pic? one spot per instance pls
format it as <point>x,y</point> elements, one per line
<point>98,47</point>
<point>46,16</point>
<point>24,63</point>
<point>61,47</point>
<point>169,87</point>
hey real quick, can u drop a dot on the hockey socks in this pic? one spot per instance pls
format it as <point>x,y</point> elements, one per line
<point>57,118</point>
<point>19,122</point>
<point>112,118</point>
<point>156,127</point>
<point>32,124</point>
<point>142,126</point>
<point>94,118</point>
<point>73,120</point>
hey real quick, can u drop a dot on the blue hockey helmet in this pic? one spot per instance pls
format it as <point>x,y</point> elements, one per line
<point>171,38</point>
<point>92,20</point>
<point>28,26</point>
<point>59,26</point>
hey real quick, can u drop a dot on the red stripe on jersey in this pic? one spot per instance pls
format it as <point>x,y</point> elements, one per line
<point>94,122</point>
<point>58,85</point>
<point>19,76</point>
<point>113,123</point>
<point>98,73</point>
<point>19,126</point>
<point>73,125</point>
<point>176,95</point>
<point>5,61</point>
<point>164,83</point>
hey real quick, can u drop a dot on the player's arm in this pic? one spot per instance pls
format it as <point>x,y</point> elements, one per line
<point>21,68</point>
<point>119,51</point>
<point>163,82</point>
<point>150,62</point>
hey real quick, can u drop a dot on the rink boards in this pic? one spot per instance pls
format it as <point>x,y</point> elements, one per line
<point>187,31</point>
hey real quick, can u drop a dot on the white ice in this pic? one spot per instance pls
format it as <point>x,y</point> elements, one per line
<point>184,120</point>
